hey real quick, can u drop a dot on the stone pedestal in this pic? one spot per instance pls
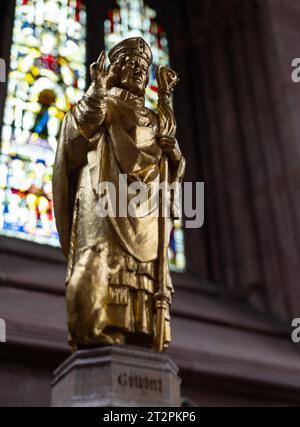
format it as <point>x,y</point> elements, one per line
<point>116,376</point>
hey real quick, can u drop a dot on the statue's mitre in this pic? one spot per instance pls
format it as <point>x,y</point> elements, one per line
<point>133,46</point>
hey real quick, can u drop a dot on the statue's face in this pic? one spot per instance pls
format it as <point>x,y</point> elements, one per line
<point>134,74</point>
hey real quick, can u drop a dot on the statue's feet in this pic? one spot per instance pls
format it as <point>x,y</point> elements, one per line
<point>98,340</point>
<point>103,339</point>
<point>118,338</point>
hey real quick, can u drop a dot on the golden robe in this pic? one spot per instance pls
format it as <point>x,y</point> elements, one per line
<point>112,261</point>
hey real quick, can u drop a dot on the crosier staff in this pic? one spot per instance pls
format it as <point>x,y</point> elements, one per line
<point>167,80</point>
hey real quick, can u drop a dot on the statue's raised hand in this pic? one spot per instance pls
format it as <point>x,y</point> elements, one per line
<point>99,74</point>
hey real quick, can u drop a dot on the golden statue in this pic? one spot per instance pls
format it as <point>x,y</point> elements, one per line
<point>118,282</point>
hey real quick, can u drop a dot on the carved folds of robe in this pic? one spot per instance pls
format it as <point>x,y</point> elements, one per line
<point>112,261</point>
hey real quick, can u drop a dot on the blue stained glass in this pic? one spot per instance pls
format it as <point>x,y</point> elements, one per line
<point>47,60</point>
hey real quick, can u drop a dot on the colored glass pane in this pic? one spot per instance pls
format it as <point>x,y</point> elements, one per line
<point>47,76</point>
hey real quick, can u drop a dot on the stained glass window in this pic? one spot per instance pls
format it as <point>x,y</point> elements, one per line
<point>130,19</point>
<point>47,76</point>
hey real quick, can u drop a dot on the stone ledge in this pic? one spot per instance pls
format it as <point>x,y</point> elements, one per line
<point>116,376</point>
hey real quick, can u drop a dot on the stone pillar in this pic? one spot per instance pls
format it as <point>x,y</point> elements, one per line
<point>116,376</point>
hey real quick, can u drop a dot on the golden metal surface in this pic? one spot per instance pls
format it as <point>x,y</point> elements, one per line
<point>118,282</point>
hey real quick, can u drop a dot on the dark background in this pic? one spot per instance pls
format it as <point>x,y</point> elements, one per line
<point>239,129</point>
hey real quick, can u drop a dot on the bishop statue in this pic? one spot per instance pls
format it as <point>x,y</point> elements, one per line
<point>119,288</point>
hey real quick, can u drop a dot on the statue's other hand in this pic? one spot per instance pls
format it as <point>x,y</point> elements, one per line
<point>98,72</point>
<point>171,148</point>
<point>167,79</point>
